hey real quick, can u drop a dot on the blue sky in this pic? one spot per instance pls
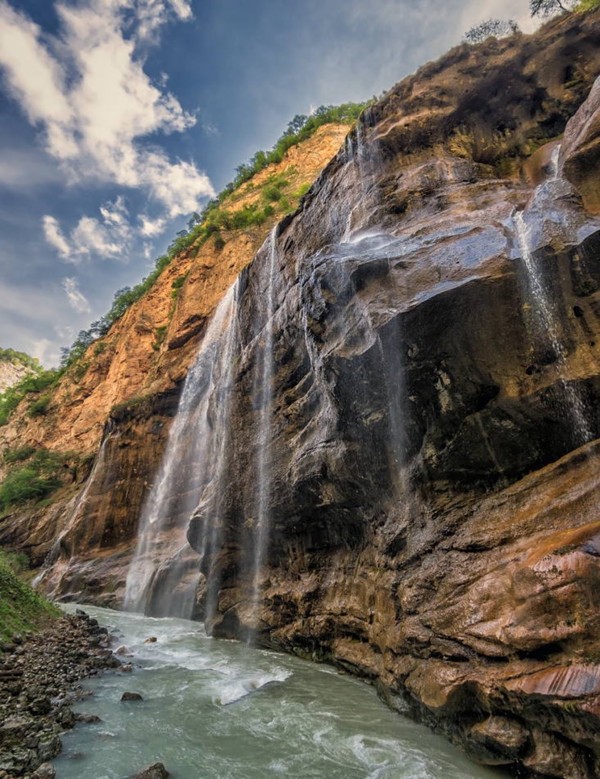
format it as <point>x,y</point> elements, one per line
<point>118,118</point>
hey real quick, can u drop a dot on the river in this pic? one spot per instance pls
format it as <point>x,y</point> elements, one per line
<point>216,709</point>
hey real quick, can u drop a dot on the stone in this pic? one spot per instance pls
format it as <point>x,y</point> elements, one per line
<point>131,696</point>
<point>45,771</point>
<point>123,650</point>
<point>87,718</point>
<point>151,640</point>
<point>155,771</point>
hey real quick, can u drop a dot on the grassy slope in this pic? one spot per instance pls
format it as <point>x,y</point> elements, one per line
<point>21,608</point>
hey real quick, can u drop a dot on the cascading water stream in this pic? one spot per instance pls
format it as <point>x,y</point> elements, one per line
<point>264,393</point>
<point>54,566</point>
<point>164,572</point>
<point>548,326</point>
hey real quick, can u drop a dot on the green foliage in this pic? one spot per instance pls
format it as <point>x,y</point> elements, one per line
<point>12,355</point>
<point>17,455</point>
<point>21,608</point>
<point>40,406</point>
<point>177,285</point>
<point>37,478</point>
<point>588,5</point>
<point>301,191</point>
<point>11,397</point>
<point>491,28</point>
<point>159,337</point>
<point>219,242</point>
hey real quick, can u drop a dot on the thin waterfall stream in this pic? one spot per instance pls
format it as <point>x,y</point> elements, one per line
<point>549,329</point>
<point>264,394</point>
<point>191,460</point>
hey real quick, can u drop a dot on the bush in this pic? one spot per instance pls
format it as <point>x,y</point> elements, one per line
<point>21,608</point>
<point>17,455</point>
<point>40,406</point>
<point>548,7</point>
<point>12,355</point>
<point>38,478</point>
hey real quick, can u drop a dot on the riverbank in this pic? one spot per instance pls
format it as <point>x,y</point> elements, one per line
<point>39,681</point>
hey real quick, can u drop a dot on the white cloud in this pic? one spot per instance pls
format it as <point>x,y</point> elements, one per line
<point>150,228</point>
<point>55,237</point>
<point>108,236</point>
<point>152,14</point>
<point>77,299</point>
<point>89,93</point>
<point>45,351</point>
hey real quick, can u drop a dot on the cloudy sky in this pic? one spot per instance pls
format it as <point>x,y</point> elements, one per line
<point>119,118</point>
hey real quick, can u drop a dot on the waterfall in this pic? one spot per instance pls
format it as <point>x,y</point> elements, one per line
<point>56,562</point>
<point>164,573</point>
<point>264,395</point>
<point>548,325</point>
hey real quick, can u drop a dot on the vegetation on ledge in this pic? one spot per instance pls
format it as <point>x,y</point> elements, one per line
<point>21,608</point>
<point>34,474</point>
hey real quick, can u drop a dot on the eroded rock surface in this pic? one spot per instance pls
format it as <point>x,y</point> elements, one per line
<point>431,435</point>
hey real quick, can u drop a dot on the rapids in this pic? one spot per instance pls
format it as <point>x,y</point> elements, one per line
<point>219,709</point>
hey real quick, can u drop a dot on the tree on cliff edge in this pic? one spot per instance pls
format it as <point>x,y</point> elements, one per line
<point>547,7</point>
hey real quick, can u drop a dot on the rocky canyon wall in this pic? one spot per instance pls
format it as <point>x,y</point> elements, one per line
<point>410,484</point>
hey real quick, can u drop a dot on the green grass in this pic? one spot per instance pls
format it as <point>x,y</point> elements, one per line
<point>21,609</point>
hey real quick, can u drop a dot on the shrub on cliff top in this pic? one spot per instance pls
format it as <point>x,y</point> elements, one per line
<point>491,28</point>
<point>549,7</point>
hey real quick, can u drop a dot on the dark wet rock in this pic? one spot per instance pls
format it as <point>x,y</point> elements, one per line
<point>151,640</point>
<point>123,650</point>
<point>87,718</point>
<point>131,696</point>
<point>156,771</point>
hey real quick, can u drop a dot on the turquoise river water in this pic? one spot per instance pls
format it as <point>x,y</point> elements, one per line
<point>216,709</point>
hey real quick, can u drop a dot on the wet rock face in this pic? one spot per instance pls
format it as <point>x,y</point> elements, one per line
<point>581,153</point>
<point>433,480</point>
<point>426,455</point>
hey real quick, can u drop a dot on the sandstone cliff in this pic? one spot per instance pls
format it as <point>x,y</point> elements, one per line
<point>427,323</point>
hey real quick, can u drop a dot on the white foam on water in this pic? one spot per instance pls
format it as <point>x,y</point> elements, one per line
<point>241,687</point>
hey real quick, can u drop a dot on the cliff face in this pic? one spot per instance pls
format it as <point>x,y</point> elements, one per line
<point>130,381</point>
<point>409,485</point>
<point>11,372</point>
